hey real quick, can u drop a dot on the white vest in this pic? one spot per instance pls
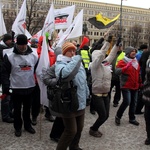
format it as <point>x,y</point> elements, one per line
<point>22,70</point>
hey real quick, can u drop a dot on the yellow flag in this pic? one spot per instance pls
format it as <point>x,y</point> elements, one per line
<point>106,20</point>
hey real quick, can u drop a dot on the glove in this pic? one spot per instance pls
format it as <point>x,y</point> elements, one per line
<point>100,41</point>
<point>109,38</point>
<point>127,66</point>
<point>118,41</point>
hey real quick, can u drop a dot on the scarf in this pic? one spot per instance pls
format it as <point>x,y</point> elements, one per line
<point>134,62</point>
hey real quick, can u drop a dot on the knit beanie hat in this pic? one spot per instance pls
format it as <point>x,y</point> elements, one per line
<point>143,46</point>
<point>128,50</point>
<point>7,37</point>
<point>67,46</point>
<point>22,39</point>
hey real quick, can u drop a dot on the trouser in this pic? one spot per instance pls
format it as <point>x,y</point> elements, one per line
<point>91,104</point>
<point>18,101</point>
<point>147,120</point>
<point>6,107</point>
<point>140,103</point>
<point>35,107</point>
<point>129,99</point>
<point>117,94</point>
<point>101,105</point>
<point>72,133</point>
<point>57,128</point>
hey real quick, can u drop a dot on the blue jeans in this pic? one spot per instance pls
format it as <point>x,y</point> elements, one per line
<point>129,99</point>
<point>101,106</point>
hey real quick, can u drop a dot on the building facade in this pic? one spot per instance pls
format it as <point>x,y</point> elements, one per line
<point>130,16</point>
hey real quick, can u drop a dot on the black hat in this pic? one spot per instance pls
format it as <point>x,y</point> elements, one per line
<point>22,39</point>
<point>143,46</point>
<point>7,37</point>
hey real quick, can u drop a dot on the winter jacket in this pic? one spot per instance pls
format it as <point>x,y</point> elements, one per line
<point>129,77</point>
<point>144,57</point>
<point>3,46</point>
<point>101,73</point>
<point>49,77</point>
<point>74,70</point>
<point>18,71</point>
<point>51,54</point>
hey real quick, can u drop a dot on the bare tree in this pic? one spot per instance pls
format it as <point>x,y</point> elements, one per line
<point>35,17</point>
<point>8,19</point>
<point>115,30</point>
<point>147,35</point>
<point>135,35</point>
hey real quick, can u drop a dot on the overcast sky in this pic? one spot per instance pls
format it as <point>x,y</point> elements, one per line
<point>134,3</point>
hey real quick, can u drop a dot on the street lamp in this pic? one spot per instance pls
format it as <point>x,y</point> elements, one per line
<point>121,19</point>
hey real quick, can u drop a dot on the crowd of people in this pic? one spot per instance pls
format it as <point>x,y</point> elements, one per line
<point>95,71</point>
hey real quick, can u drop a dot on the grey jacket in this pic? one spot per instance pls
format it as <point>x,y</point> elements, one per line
<point>101,73</point>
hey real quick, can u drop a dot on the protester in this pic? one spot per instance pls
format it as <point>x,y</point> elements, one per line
<point>73,121</point>
<point>129,71</point>
<point>49,79</point>
<point>146,99</point>
<point>18,75</point>
<point>115,81</point>
<point>35,106</point>
<point>142,58</point>
<point>101,80</point>
<point>6,103</point>
<point>86,59</point>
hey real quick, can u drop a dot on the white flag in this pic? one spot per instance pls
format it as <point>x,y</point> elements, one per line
<point>77,26</point>
<point>19,25</point>
<point>63,17</point>
<point>74,30</point>
<point>2,23</point>
<point>43,65</point>
<point>49,24</point>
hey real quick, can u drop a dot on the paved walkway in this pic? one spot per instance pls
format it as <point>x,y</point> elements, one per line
<point>123,137</point>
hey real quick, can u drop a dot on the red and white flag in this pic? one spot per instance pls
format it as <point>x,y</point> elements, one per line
<point>64,17</point>
<point>44,58</point>
<point>74,30</point>
<point>43,65</point>
<point>19,25</point>
<point>49,24</point>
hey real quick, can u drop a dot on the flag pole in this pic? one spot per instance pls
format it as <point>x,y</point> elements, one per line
<point>17,7</point>
<point>121,19</point>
